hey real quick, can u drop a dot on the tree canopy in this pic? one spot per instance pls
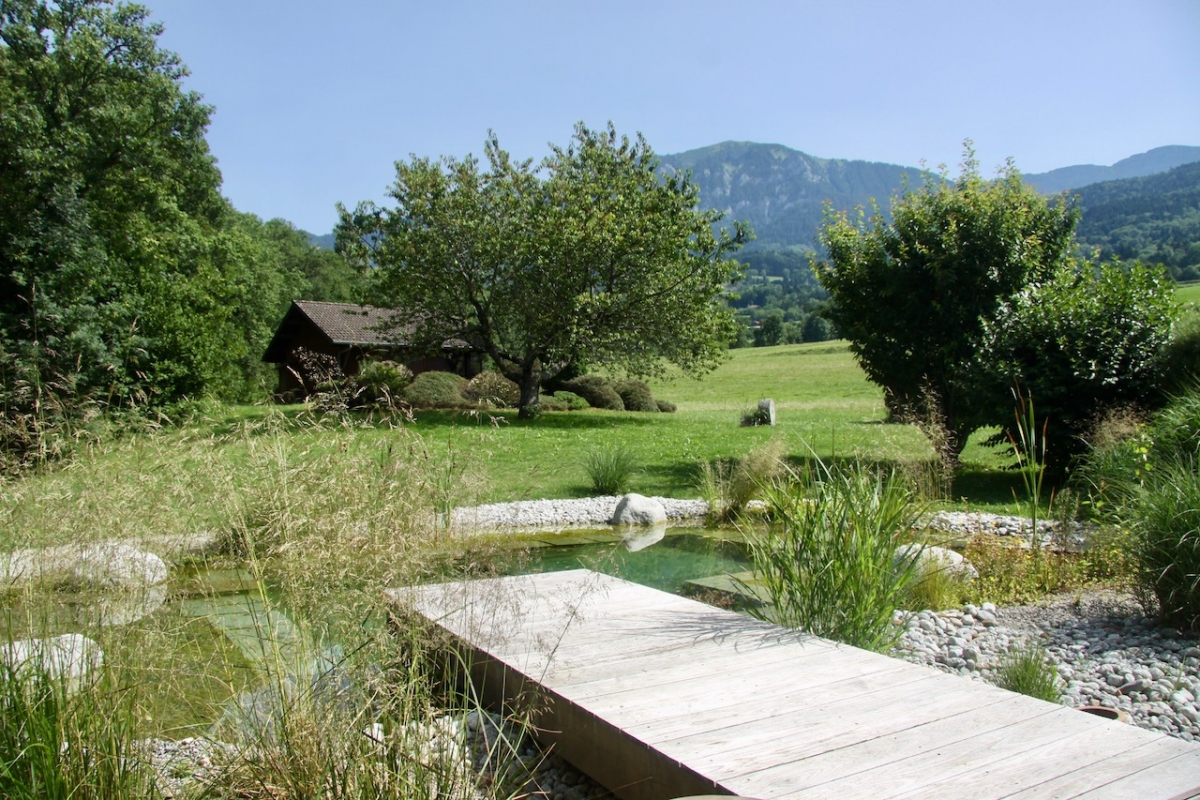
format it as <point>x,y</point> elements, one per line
<point>126,279</point>
<point>913,295</point>
<point>590,258</point>
<point>972,292</point>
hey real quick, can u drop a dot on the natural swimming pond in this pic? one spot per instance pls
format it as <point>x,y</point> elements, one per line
<point>672,564</point>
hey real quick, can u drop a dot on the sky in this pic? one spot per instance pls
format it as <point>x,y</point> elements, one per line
<point>315,102</point>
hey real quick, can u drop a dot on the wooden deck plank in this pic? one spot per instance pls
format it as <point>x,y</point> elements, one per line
<point>659,696</point>
<point>1088,775</point>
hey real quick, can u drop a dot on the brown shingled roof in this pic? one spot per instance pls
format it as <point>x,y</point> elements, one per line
<point>346,323</point>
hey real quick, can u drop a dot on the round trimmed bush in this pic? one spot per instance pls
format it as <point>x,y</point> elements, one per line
<point>436,390</point>
<point>494,389</point>
<point>597,391</point>
<point>665,406</point>
<point>552,403</point>
<point>571,401</point>
<point>636,396</point>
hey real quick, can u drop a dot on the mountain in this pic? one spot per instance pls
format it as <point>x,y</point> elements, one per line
<point>781,191</point>
<point>1160,159</point>
<point>325,241</point>
<point>1155,218</point>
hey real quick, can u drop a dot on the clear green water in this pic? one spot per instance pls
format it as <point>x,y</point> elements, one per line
<point>679,557</point>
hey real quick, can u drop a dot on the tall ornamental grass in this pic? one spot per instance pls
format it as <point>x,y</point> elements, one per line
<point>1147,484</point>
<point>828,559</point>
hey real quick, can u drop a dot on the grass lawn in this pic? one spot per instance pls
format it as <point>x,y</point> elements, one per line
<point>1189,293</point>
<point>183,479</point>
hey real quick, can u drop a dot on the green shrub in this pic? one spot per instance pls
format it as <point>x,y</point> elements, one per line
<point>1084,342</point>
<point>610,469</point>
<point>665,407</point>
<point>436,390</point>
<point>636,396</point>
<point>1180,366</point>
<point>1028,671</point>
<point>571,401</point>
<point>551,403</point>
<point>493,389</point>
<point>1164,515</point>
<point>381,383</point>
<point>597,391</point>
<point>827,564</point>
<point>1146,481</point>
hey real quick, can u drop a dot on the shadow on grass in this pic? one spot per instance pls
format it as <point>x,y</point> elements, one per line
<point>553,420</point>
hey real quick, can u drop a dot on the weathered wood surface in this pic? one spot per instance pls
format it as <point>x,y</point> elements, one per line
<point>657,696</point>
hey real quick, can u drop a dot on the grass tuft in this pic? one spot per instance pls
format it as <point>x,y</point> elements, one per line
<point>611,470</point>
<point>1028,670</point>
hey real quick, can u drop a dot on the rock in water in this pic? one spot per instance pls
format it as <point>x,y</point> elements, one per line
<point>70,657</point>
<point>636,509</point>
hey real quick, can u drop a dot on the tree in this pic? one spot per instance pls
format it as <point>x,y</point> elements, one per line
<point>590,258</point>
<point>913,295</point>
<point>770,329</point>
<point>110,197</point>
<point>1087,340</point>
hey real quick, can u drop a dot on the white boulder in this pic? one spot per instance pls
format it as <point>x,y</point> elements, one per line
<point>70,657</point>
<point>933,559</point>
<point>636,509</point>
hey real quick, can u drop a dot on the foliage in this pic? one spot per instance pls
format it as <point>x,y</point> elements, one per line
<point>1085,341</point>
<point>1180,358</point>
<point>827,562</point>
<point>126,280</point>
<point>913,295</point>
<point>666,406</point>
<point>381,383</point>
<point>729,486</point>
<point>1028,671</point>
<point>60,741</point>
<point>436,390</point>
<point>610,469</point>
<point>770,330</point>
<point>635,395</point>
<point>592,258</point>
<point>571,401</point>
<point>597,391</point>
<point>1147,483</point>
<point>493,389</point>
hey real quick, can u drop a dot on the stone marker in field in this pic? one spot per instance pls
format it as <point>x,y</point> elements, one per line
<point>766,411</point>
<point>636,509</point>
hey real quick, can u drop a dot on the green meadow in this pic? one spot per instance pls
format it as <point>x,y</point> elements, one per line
<point>184,477</point>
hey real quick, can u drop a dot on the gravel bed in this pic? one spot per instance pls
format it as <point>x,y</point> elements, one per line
<point>543,514</point>
<point>1106,653</point>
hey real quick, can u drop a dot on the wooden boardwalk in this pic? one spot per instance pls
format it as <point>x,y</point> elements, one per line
<point>657,696</point>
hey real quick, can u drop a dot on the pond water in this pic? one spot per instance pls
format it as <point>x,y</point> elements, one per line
<point>673,564</point>
<point>221,631</point>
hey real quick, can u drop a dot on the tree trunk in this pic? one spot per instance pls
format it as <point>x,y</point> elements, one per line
<point>531,382</point>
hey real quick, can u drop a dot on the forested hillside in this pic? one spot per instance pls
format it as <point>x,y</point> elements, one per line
<point>781,192</point>
<point>1154,219</point>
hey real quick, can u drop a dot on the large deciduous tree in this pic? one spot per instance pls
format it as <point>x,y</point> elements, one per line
<point>914,294</point>
<point>591,257</point>
<point>107,279</point>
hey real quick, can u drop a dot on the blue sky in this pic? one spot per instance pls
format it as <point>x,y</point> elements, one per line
<point>315,101</point>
